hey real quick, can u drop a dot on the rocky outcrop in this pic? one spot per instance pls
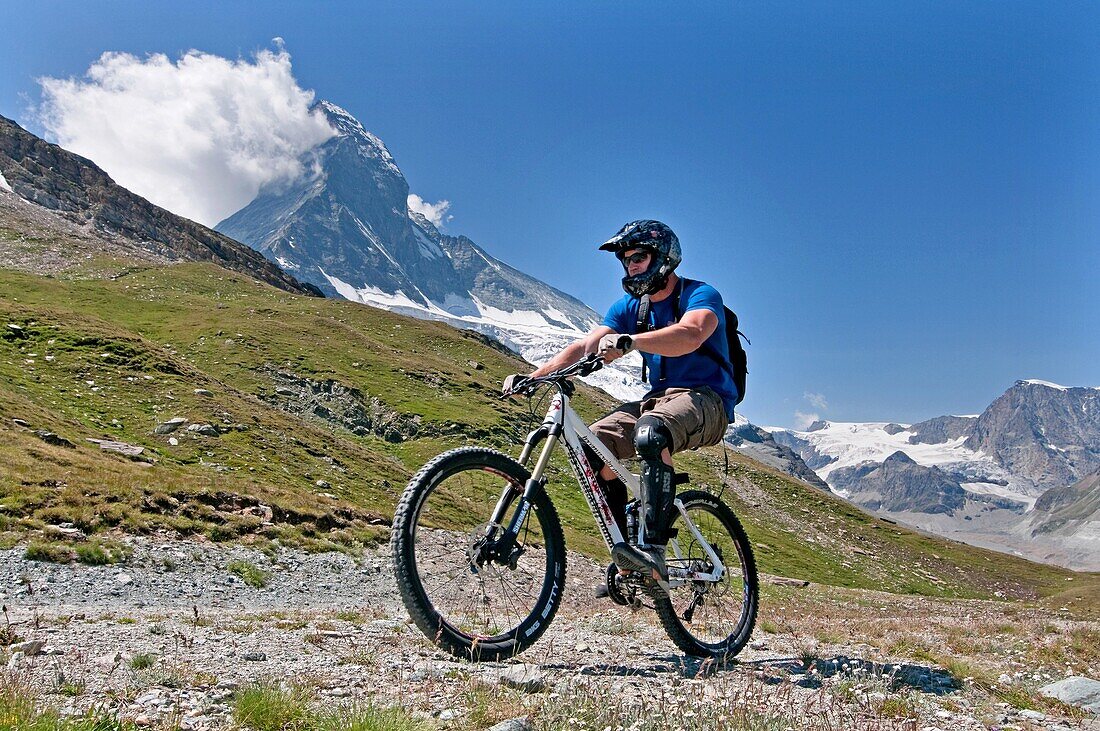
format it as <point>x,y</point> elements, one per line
<point>900,484</point>
<point>757,443</point>
<point>942,429</point>
<point>1069,511</point>
<point>79,191</point>
<point>1043,432</point>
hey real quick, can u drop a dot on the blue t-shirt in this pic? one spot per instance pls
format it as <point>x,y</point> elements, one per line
<point>686,371</point>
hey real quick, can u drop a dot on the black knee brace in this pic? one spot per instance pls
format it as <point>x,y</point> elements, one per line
<point>651,437</point>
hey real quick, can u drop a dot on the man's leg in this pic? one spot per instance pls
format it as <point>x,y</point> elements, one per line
<point>676,420</point>
<point>653,442</point>
<point>616,432</point>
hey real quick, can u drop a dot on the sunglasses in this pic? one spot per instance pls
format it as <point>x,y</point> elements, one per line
<point>636,258</point>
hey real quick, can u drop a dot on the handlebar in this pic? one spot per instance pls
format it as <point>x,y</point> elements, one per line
<point>583,367</point>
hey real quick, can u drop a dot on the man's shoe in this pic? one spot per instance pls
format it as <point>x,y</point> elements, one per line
<point>646,560</point>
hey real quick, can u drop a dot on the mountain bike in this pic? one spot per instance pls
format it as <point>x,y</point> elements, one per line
<point>479,552</point>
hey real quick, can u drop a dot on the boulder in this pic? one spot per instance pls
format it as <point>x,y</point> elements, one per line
<point>1077,691</point>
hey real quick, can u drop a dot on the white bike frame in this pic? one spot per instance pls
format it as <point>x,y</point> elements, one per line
<point>562,422</point>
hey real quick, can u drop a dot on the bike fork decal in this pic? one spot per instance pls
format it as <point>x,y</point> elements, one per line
<point>593,495</point>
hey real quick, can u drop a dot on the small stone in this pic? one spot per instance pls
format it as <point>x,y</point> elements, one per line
<point>1032,715</point>
<point>322,484</point>
<point>207,430</point>
<point>1004,679</point>
<point>20,422</point>
<point>255,657</point>
<point>173,441</point>
<point>15,660</point>
<point>202,392</point>
<point>759,645</point>
<point>448,714</point>
<point>124,579</point>
<point>29,648</point>
<point>167,427</point>
<point>50,438</point>
<point>526,677</point>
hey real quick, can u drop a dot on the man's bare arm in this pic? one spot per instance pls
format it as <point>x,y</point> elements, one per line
<point>686,336</point>
<point>573,352</point>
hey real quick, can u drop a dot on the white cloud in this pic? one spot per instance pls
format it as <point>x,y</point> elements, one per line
<point>198,136</point>
<point>434,212</point>
<point>802,420</point>
<point>817,400</point>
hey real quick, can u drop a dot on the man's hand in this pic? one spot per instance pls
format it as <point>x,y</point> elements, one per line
<point>513,382</point>
<point>614,346</point>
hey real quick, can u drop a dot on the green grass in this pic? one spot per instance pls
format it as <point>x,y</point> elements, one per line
<point>148,339</point>
<point>142,661</point>
<point>23,709</point>
<point>250,573</point>
<point>267,706</point>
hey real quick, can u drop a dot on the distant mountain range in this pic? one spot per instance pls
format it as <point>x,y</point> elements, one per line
<point>72,194</point>
<point>1021,475</point>
<point>347,228</point>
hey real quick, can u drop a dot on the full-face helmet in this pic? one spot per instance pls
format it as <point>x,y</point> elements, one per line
<point>654,237</point>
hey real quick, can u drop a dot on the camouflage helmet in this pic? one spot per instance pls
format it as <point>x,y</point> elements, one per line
<point>658,239</point>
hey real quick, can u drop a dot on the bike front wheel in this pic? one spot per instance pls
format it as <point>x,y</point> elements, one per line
<point>471,600</point>
<point>709,618</point>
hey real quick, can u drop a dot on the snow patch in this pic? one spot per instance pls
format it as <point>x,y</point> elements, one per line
<point>1048,384</point>
<point>287,264</point>
<point>4,184</point>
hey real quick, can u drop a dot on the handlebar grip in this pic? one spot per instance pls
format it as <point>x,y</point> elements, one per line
<point>593,364</point>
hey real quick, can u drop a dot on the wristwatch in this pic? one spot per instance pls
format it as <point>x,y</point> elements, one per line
<point>624,344</point>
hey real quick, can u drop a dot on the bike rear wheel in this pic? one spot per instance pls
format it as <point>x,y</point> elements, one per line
<point>710,619</point>
<point>469,601</point>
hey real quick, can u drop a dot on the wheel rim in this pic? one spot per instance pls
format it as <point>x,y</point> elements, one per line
<point>712,612</point>
<point>485,601</point>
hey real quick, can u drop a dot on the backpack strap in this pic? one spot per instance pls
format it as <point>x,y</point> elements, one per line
<point>642,325</point>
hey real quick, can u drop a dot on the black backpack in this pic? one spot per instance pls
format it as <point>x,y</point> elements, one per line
<point>736,362</point>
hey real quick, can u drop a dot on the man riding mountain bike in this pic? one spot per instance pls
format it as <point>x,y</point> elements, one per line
<point>679,328</point>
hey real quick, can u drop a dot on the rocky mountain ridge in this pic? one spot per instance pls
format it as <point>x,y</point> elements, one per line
<point>975,478</point>
<point>74,189</point>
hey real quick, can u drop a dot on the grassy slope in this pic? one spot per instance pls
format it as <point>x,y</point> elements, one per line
<point>149,336</point>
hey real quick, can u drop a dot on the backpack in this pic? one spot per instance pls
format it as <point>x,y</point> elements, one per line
<point>735,362</point>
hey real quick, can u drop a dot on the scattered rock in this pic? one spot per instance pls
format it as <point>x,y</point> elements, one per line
<point>20,422</point>
<point>167,427</point>
<point>784,581</point>
<point>172,441</point>
<point>207,430</point>
<point>108,445</point>
<point>66,530</point>
<point>29,648</point>
<point>475,365</point>
<point>255,656</point>
<point>524,676</point>
<point>124,579</point>
<point>203,392</point>
<point>50,438</point>
<point>1077,691</point>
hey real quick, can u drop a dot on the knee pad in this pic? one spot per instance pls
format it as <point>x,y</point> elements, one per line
<point>651,437</point>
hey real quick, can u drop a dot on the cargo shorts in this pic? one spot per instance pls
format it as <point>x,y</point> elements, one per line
<point>696,417</point>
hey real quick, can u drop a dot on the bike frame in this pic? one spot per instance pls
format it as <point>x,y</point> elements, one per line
<point>562,424</point>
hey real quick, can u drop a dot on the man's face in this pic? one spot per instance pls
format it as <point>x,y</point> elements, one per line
<point>636,261</point>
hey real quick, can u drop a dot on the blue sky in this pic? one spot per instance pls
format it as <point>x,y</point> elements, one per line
<point>901,201</point>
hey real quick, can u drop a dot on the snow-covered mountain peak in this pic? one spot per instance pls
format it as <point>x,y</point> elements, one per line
<point>348,126</point>
<point>1037,382</point>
